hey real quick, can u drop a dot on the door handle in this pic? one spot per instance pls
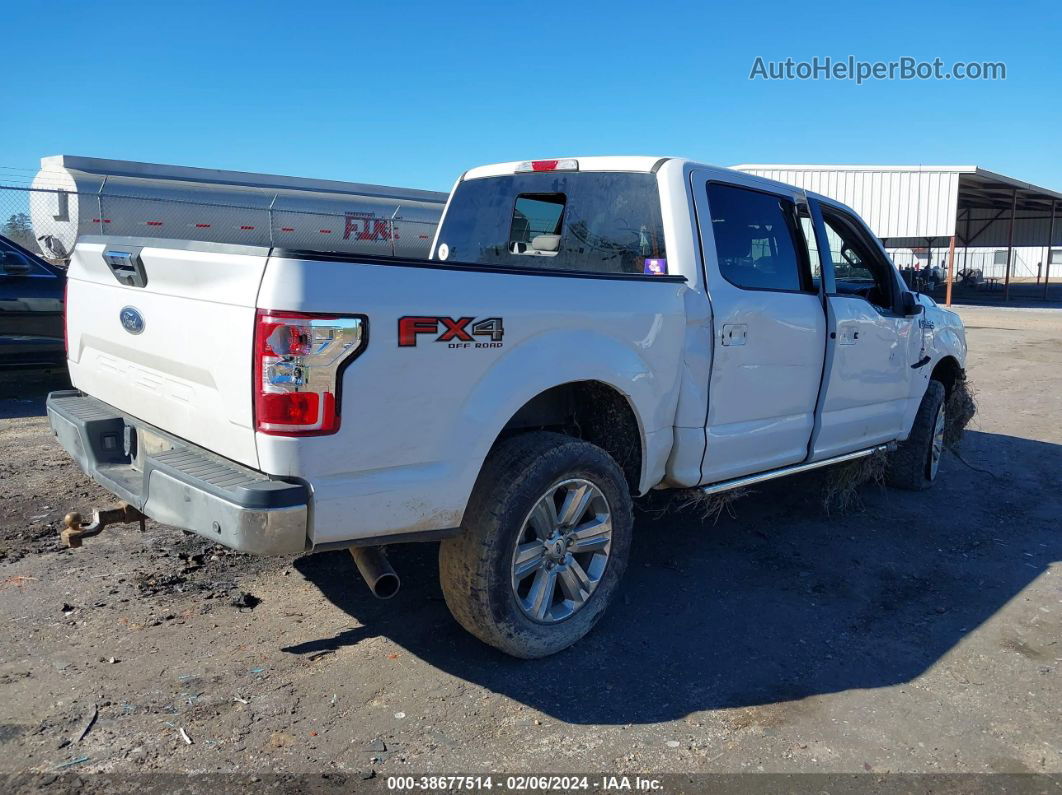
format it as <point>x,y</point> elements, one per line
<point>849,335</point>
<point>735,334</point>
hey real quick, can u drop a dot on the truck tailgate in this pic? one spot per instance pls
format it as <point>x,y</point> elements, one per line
<point>182,358</point>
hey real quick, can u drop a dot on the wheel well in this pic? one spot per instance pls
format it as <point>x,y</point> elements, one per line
<point>588,410</point>
<point>948,373</point>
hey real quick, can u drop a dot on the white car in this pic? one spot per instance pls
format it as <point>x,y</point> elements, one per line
<point>583,331</point>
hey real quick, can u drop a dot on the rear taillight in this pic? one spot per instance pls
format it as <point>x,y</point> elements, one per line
<point>298,364</point>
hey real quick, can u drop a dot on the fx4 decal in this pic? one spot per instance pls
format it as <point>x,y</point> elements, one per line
<point>457,332</point>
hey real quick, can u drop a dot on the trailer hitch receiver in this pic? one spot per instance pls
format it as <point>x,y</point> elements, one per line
<point>74,529</point>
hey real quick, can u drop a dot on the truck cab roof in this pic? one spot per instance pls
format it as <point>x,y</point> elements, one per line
<point>638,163</point>
<point>648,164</point>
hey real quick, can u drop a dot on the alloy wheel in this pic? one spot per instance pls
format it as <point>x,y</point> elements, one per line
<point>562,551</point>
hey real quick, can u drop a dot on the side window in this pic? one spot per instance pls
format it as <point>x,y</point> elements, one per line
<point>755,239</point>
<point>807,229</point>
<point>858,269</point>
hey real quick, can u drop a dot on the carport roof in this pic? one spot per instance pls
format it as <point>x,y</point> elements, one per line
<point>983,189</point>
<point>914,201</point>
<point>978,187</point>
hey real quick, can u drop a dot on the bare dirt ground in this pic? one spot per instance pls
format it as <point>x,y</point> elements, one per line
<point>920,633</point>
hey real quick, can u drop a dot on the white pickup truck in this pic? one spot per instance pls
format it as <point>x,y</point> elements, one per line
<point>583,331</point>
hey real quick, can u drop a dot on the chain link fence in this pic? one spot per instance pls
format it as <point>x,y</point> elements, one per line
<point>50,222</point>
<point>1027,262</point>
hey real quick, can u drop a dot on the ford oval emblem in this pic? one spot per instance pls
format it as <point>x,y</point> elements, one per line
<point>132,320</point>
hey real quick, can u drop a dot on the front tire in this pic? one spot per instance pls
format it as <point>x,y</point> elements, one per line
<point>545,542</point>
<point>914,464</point>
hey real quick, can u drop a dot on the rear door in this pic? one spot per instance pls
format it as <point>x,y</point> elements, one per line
<point>769,327</point>
<point>166,335</point>
<point>872,345</point>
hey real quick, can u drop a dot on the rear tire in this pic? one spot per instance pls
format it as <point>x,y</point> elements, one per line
<point>914,464</point>
<point>528,578</point>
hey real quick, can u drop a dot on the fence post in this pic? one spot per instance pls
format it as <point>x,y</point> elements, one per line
<point>272,243</point>
<point>99,205</point>
<point>393,216</point>
<point>1010,243</point>
<point>1050,246</point>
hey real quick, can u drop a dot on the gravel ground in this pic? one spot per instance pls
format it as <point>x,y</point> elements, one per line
<point>917,633</point>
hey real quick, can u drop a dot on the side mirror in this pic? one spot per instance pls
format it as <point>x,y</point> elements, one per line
<point>911,306</point>
<point>13,264</point>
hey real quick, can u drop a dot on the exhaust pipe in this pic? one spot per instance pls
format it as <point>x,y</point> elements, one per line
<point>377,572</point>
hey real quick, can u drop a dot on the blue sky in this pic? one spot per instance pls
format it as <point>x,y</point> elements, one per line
<point>413,93</point>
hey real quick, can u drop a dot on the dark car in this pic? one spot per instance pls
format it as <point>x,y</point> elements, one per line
<point>31,309</point>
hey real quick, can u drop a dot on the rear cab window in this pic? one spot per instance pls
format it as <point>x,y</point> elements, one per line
<point>593,222</point>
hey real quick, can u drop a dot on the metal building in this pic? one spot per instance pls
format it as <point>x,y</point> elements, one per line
<point>1000,225</point>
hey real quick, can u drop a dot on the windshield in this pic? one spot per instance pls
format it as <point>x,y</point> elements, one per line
<point>600,222</point>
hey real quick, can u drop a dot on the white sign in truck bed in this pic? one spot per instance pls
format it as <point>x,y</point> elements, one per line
<point>583,331</point>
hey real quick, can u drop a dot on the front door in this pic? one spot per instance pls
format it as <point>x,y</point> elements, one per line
<point>872,345</point>
<point>768,323</point>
